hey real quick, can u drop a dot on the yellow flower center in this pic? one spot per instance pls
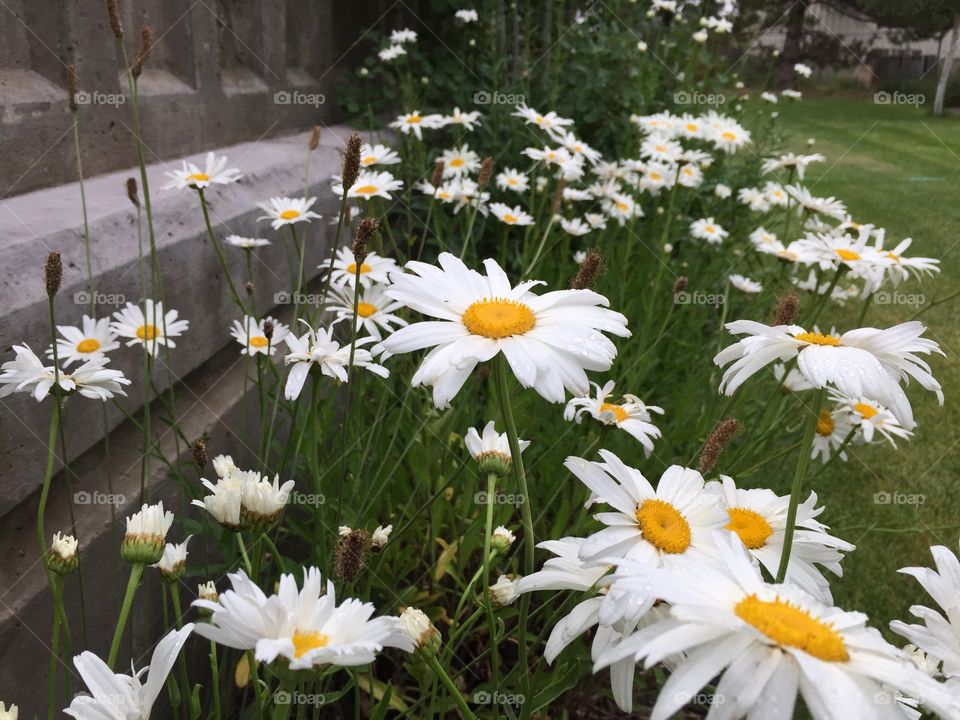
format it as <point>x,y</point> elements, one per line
<point>289,214</point>
<point>509,218</point>
<point>663,526</point>
<point>790,626</point>
<point>866,411</point>
<point>147,332</point>
<point>622,206</point>
<point>825,424</point>
<point>750,526</point>
<point>443,195</point>
<point>512,181</point>
<point>364,268</point>
<point>366,190</point>
<point>198,177</point>
<point>457,162</point>
<point>709,229</point>
<point>661,148</point>
<point>88,345</point>
<point>691,127</point>
<point>259,341</point>
<point>304,642</point>
<point>894,257</point>
<point>847,254</point>
<point>366,309</point>
<point>728,135</point>
<point>414,119</point>
<point>498,318</point>
<point>655,176</point>
<point>815,338</point>
<point>369,160</point>
<point>618,412</point>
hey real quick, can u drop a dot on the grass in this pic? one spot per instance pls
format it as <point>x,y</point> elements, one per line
<point>896,167</point>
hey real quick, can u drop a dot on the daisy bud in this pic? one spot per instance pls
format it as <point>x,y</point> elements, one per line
<point>314,138</point>
<point>268,328</point>
<point>787,307</point>
<point>114,16</point>
<point>680,285</point>
<point>417,625</point>
<point>174,561</point>
<point>62,557</point>
<point>132,191</point>
<point>208,591</point>
<point>350,556</point>
<point>53,273</point>
<point>486,171</point>
<point>381,536</point>
<point>147,529</point>
<point>351,161</point>
<point>721,435</point>
<point>502,539</point>
<point>146,45</point>
<point>587,272</point>
<point>491,450</point>
<point>438,168</point>
<point>367,228</point>
<point>503,591</point>
<point>249,287</point>
<point>72,87</point>
<point>199,450</point>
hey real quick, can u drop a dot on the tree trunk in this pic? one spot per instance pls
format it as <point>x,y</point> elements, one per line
<point>946,66</point>
<point>790,55</point>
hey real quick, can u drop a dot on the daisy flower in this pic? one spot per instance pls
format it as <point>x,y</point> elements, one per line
<point>92,339</point>
<point>287,211</point>
<point>245,242</point>
<point>303,627</point>
<point>414,122</point>
<point>867,362</point>
<point>510,179</point>
<point>729,136</point>
<point>317,348</point>
<point>754,199</point>
<point>707,229</point>
<point>549,121</point>
<point>511,215</point>
<point>466,16</point>
<point>146,533</point>
<point>388,54</point>
<point>190,176</point>
<point>631,414</point>
<point>775,194</point>
<point>253,338</point>
<point>571,194</point>
<point>832,430</point>
<point>803,70</point>
<point>790,161</point>
<point>491,449</point>
<point>745,284</point>
<point>899,267</point>
<point>596,221</point>
<point>662,149</point>
<point>377,155</point>
<point>762,237</point>
<point>458,162</point>
<point>690,176</point>
<point>125,696</point>
<point>370,185</point>
<point>647,524</point>
<point>791,94</point>
<point>403,36</point>
<point>759,518</point>
<point>766,643</point>
<point>467,120</point>
<point>27,374</point>
<point>577,146</point>
<point>244,499</point>
<point>150,327</point>
<point>870,417</point>
<point>622,207</point>
<point>769,97</point>
<point>548,340</point>
<point>374,310</point>
<point>174,560</point>
<point>575,226</point>
<point>830,207</point>
<point>373,269</point>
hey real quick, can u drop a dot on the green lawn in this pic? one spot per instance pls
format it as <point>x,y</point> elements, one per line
<point>899,168</point>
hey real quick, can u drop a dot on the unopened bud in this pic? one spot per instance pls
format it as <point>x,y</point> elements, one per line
<point>62,557</point>
<point>502,539</point>
<point>417,626</point>
<point>503,592</point>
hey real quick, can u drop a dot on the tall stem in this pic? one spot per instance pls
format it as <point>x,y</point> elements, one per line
<point>136,571</point>
<point>448,683</point>
<point>487,600</point>
<point>216,246</point>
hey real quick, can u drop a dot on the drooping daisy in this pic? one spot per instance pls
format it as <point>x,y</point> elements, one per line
<point>378,155</point>
<point>900,267</point>
<point>867,362</point>
<point>302,627</point>
<point>373,269</point>
<point>467,120</point>
<point>647,524</point>
<point>287,211</point>
<point>125,696</point>
<point>631,414</point>
<point>790,161</point>
<point>548,340</point>
<point>151,327</point>
<point>870,418</point>
<point>190,176</point>
<point>414,122</point>
<point>745,284</point>
<point>709,230</point>
<point>253,337</point>
<point>370,185</point>
<point>174,560</point>
<point>245,242</point>
<point>27,374</point>
<point>510,179</point>
<point>758,516</point>
<point>317,348</point>
<point>766,642</point>
<point>459,161</point>
<point>374,310</point>
<point>806,201</point>
<point>92,340</point>
<point>515,215</point>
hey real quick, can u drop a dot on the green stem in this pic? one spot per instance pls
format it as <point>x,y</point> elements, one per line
<point>448,683</point>
<point>54,650</point>
<point>136,571</point>
<point>219,250</point>
<point>215,680</point>
<point>487,601</point>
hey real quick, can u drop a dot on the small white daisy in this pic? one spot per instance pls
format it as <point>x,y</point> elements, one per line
<point>378,155</point>
<point>374,269</point>
<point>286,211</point>
<point>709,230</point>
<point>252,337</point>
<point>374,310</point>
<point>190,176</point>
<point>511,215</point>
<point>318,349</point>
<point>745,284</point>
<point>510,179</point>
<point>246,243</point>
<point>150,326</point>
<point>92,340</point>
<point>631,414</point>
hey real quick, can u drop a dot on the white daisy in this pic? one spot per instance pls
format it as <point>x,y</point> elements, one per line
<point>729,136</point>
<point>900,267</point>
<point>575,226</point>
<point>515,215</point>
<point>245,499</point>
<point>374,310</point>
<point>245,242</point>
<point>190,176</point>
<point>174,559</point>
<point>830,207</point>
<point>754,199</point>
<point>803,70</point>
<point>391,53</point>
<point>761,237</point>
<point>660,148</point>
<point>709,230</point>
<point>870,417</point>
<point>745,284</point>
<point>510,179</point>
<point>374,269</point>
<point>317,348</point>
<point>252,337</point>
<point>466,16</point>
<point>458,162</point>
<point>775,194</point>
<point>377,155</point>
<point>414,122</point>
<point>548,340</point>
<point>503,592</point>
<point>548,121</point>
<point>491,445</point>
<point>150,327</point>
<point>631,414</point>
<point>467,120</point>
<point>369,185</point>
<point>791,161</point>
<point>92,340</point>
<point>832,430</point>
<point>403,36</point>
<point>287,211</point>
